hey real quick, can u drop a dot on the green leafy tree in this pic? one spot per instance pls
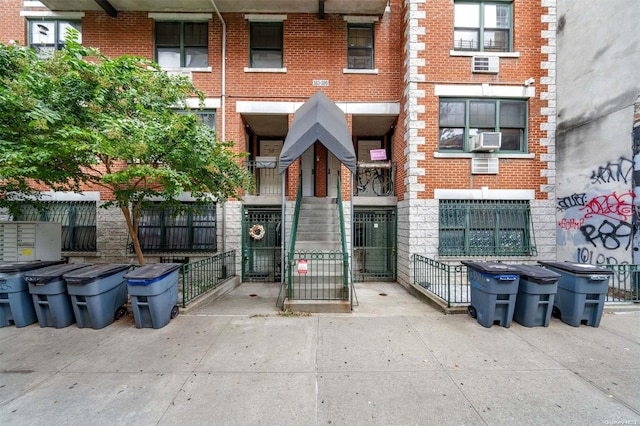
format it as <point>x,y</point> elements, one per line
<point>78,119</point>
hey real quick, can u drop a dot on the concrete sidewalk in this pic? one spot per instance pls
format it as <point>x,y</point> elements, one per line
<point>393,361</point>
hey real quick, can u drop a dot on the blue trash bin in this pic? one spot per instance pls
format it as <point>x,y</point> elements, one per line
<point>582,289</point>
<point>16,305</point>
<point>154,294</point>
<point>494,287</point>
<point>98,294</point>
<point>49,292</point>
<point>536,293</point>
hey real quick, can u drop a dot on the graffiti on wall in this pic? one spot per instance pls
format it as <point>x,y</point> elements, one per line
<point>601,223</point>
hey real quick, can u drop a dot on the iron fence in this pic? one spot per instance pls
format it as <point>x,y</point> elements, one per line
<point>316,275</point>
<point>267,180</point>
<point>203,275</point>
<point>624,284</point>
<point>448,281</point>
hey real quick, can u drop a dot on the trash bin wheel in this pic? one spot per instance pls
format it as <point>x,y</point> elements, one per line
<point>472,311</point>
<point>120,312</point>
<point>175,311</point>
<point>555,312</point>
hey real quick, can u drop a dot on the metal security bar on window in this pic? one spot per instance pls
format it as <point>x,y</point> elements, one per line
<point>261,245</point>
<point>78,220</point>
<point>374,245</point>
<point>486,227</point>
<point>160,229</point>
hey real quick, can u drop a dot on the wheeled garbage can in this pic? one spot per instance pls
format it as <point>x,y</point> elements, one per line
<point>49,292</point>
<point>154,294</point>
<point>16,305</point>
<point>98,294</point>
<point>582,289</point>
<point>536,292</point>
<point>493,292</point>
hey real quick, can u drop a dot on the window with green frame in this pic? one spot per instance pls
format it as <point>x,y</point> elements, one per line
<point>483,26</point>
<point>182,44</point>
<point>162,230</point>
<point>360,46</point>
<point>78,220</point>
<point>485,228</point>
<point>48,35</point>
<point>460,119</point>
<point>265,49</point>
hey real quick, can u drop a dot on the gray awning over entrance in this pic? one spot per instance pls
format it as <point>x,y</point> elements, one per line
<point>319,119</point>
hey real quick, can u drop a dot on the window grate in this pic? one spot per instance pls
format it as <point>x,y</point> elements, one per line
<point>160,229</point>
<point>486,227</point>
<point>78,220</point>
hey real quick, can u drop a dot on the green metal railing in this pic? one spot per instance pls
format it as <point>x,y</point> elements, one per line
<point>321,278</point>
<point>624,285</point>
<point>204,275</point>
<point>448,281</point>
<point>343,238</point>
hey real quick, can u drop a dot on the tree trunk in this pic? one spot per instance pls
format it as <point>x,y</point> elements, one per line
<point>133,234</point>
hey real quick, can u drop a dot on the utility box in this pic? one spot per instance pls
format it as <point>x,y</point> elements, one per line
<point>30,241</point>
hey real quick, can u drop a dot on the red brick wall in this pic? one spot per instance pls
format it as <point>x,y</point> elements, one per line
<point>441,68</point>
<point>12,25</point>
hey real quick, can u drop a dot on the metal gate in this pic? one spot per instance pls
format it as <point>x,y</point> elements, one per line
<point>374,244</point>
<point>261,238</point>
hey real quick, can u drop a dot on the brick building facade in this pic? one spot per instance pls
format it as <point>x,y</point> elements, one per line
<point>420,80</point>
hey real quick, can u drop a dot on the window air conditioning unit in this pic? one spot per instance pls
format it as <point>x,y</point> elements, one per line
<point>486,142</point>
<point>484,166</point>
<point>485,64</point>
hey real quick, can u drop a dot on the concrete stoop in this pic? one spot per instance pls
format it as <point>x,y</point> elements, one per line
<point>318,306</point>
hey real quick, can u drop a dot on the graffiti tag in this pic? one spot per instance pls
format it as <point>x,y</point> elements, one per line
<point>611,236</point>
<point>574,200</point>
<point>570,224</point>
<point>620,171</point>
<point>613,206</point>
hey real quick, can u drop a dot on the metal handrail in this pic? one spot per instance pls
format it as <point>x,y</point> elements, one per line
<point>343,237</point>
<point>292,237</point>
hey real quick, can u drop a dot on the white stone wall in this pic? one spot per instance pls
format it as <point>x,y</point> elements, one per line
<point>598,71</point>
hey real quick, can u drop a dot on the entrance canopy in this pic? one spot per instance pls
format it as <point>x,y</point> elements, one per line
<point>318,120</point>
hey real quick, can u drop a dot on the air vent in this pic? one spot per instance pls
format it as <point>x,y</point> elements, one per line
<point>485,64</point>
<point>484,166</point>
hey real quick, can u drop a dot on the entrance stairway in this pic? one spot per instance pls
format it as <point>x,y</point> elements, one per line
<point>318,241</point>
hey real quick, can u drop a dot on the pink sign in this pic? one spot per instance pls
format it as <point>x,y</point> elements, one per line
<point>302,266</point>
<point>378,154</point>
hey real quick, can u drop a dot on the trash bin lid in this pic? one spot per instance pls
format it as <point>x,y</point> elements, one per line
<point>27,266</point>
<point>578,268</point>
<point>92,273</point>
<point>50,273</point>
<point>537,273</point>
<point>491,267</point>
<point>152,271</point>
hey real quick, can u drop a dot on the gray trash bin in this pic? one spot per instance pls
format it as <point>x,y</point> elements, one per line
<point>16,305</point>
<point>154,294</point>
<point>49,292</point>
<point>98,294</point>
<point>582,289</point>
<point>493,292</point>
<point>536,292</point>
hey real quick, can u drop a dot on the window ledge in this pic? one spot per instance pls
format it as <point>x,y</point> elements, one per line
<point>359,71</point>
<point>196,69</point>
<point>81,254</point>
<point>480,53</point>
<point>271,70</point>
<point>529,156</point>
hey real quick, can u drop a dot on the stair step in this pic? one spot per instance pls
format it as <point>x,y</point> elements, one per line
<point>317,245</point>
